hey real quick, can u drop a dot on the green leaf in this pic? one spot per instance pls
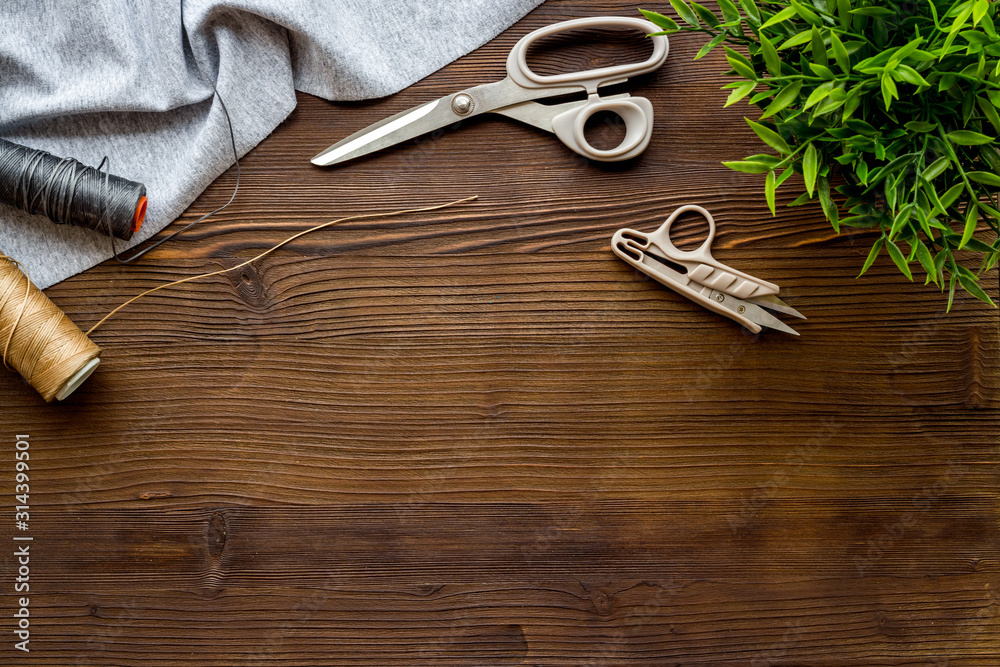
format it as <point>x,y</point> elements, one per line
<point>937,168</point>
<point>751,9</point>
<point>829,105</point>
<point>947,81</point>
<point>810,166</point>
<point>979,11</point>
<point>748,167</point>
<point>770,160</point>
<point>989,111</point>
<point>872,254</point>
<point>988,26</point>
<point>951,293</point>
<point>910,75</point>
<point>661,21</point>
<point>706,15</point>
<point>800,200</point>
<point>743,69</point>
<point>741,91</point>
<point>984,177</point>
<point>897,257</point>
<point>794,40</point>
<point>718,39</point>
<point>888,90</point>
<point>950,195</point>
<point>783,99</point>
<point>739,63</point>
<point>851,104</point>
<point>785,175</point>
<point>959,21</point>
<point>769,191</point>
<point>819,94</point>
<point>925,259</point>
<point>861,170</point>
<point>838,93</point>
<point>901,219</point>
<point>968,106</point>
<point>989,210</point>
<point>903,52</point>
<point>968,138</point>
<point>975,290</point>
<point>875,12</point>
<point>971,218</point>
<point>844,13</point>
<point>729,11</point>
<point>770,56</point>
<point>685,12</point>
<point>769,137</point>
<point>840,53</point>
<point>783,15</point>
<point>822,71</point>
<point>826,203</point>
<point>805,13</point>
<point>861,127</point>
<point>919,126</point>
<point>975,38</point>
<point>932,197</point>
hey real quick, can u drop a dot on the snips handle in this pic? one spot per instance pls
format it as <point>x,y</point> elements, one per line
<point>635,112</point>
<point>702,267</point>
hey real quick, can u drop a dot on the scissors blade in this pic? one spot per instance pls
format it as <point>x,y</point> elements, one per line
<point>431,116</point>
<point>772,302</point>
<point>405,125</point>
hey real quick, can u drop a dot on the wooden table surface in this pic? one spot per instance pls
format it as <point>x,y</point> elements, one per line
<point>477,437</point>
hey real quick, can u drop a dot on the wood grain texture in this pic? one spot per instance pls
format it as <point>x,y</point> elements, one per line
<point>476,437</point>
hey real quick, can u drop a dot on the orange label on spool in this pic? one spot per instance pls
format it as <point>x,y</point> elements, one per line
<point>140,214</point>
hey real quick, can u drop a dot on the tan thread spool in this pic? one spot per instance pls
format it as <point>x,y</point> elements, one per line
<point>38,340</point>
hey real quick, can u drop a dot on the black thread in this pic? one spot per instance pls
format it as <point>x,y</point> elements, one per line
<point>68,192</point>
<point>236,188</point>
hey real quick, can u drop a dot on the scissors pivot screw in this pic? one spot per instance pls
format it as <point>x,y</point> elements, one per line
<point>463,104</point>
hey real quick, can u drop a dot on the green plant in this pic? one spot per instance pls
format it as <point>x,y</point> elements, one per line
<point>894,100</point>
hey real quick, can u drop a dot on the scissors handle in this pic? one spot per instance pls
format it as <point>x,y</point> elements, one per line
<point>636,112</point>
<point>521,74</point>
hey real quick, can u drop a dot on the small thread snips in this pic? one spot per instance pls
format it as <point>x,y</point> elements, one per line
<point>697,275</point>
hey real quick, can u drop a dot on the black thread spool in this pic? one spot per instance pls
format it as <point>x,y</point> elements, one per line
<point>68,192</point>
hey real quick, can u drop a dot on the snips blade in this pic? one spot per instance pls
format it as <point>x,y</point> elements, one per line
<point>751,311</point>
<point>769,301</point>
<point>772,302</point>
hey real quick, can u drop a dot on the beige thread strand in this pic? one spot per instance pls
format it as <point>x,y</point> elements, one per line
<point>272,249</point>
<point>47,349</point>
<point>42,343</point>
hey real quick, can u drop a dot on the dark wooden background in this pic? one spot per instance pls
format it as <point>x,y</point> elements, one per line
<point>476,437</point>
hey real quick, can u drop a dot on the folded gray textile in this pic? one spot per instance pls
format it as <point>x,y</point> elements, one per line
<point>130,80</point>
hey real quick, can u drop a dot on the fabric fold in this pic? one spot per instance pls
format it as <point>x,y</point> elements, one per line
<point>130,81</point>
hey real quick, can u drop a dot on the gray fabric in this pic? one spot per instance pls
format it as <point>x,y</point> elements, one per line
<point>128,79</point>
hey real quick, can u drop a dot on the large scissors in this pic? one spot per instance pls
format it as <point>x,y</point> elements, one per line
<point>700,277</point>
<point>513,97</point>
